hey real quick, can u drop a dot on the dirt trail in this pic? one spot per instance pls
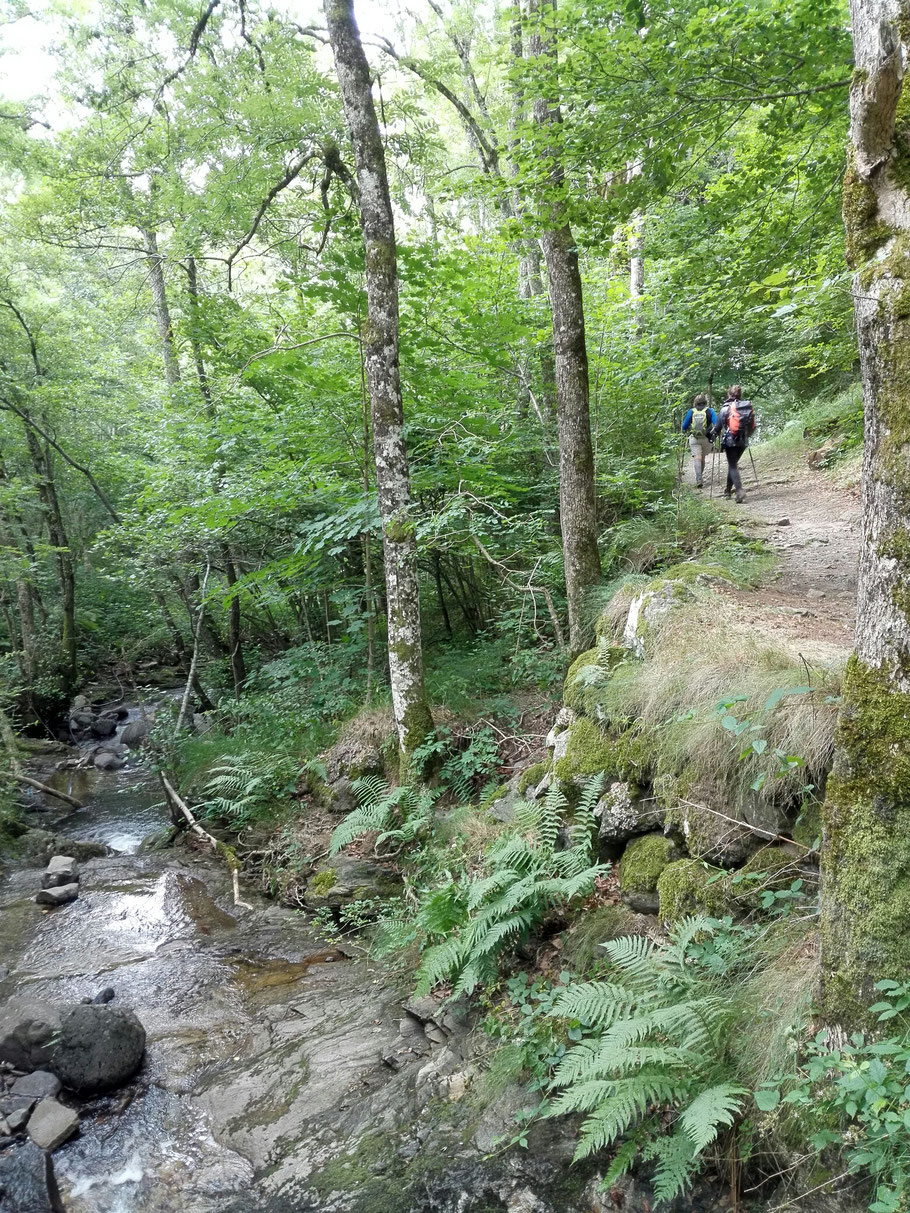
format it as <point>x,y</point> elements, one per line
<point>814,526</point>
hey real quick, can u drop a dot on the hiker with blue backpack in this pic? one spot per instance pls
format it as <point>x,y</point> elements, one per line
<point>699,424</point>
<point>735,425</point>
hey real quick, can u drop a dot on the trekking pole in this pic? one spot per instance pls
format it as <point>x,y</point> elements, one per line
<point>754,473</point>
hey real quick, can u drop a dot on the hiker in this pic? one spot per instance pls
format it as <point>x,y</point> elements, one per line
<point>699,424</point>
<point>735,425</point>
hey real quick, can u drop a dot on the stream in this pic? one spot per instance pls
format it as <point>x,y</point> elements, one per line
<point>256,1032</point>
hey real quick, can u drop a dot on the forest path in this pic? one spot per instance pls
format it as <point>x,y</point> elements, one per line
<point>813,525</point>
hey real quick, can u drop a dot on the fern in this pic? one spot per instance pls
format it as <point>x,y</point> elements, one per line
<point>396,815</point>
<point>657,1036</point>
<point>524,877</point>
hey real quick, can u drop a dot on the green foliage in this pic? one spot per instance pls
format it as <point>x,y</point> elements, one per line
<point>471,922</point>
<point>855,1095</point>
<point>656,1034</point>
<point>396,815</point>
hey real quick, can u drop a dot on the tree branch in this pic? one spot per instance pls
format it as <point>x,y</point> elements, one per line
<point>292,173</point>
<point>26,417</point>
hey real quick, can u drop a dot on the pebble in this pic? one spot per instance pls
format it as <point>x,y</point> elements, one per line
<point>782,522</point>
<point>815,594</point>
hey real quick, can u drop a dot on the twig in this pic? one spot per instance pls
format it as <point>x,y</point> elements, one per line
<point>745,825</point>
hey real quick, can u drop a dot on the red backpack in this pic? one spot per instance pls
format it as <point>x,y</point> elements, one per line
<point>740,421</point>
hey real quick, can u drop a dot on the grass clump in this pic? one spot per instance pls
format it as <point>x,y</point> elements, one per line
<point>757,731</point>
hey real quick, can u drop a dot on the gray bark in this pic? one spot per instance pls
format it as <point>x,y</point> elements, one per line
<point>162,312</point>
<point>866,838</point>
<point>578,512</point>
<point>380,348</point>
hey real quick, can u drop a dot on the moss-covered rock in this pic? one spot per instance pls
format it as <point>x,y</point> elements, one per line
<point>531,776</point>
<point>587,674</point>
<point>689,886</point>
<point>581,943</point>
<point>344,880</point>
<point>590,751</point>
<point>643,861</point>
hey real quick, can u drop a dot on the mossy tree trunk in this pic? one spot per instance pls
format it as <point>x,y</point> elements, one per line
<point>380,350</point>
<point>577,503</point>
<point>866,841</point>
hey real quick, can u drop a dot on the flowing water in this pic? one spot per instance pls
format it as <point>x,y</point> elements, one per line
<point>255,1030</point>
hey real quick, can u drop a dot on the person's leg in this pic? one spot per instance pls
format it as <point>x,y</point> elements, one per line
<point>728,491</point>
<point>698,459</point>
<point>734,456</point>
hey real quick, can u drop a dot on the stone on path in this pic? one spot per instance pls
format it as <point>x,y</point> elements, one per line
<point>61,870</point>
<point>19,1119</point>
<point>51,1124</point>
<point>59,896</point>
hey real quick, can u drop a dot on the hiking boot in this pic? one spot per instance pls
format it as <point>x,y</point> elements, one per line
<point>740,498</point>
<point>728,492</point>
<point>699,485</point>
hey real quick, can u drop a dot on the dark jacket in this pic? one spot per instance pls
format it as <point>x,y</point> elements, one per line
<point>709,424</point>
<point>723,425</point>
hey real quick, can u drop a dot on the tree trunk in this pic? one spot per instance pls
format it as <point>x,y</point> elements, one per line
<point>47,492</point>
<point>866,836</point>
<point>162,311</point>
<point>577,501</point>
<point>235,636</point>
<point>412,711</point>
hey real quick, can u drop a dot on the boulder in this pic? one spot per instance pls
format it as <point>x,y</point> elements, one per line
<point>89,1048</point>
<point>61,869</point>
<point>623,814</point>
<point>59,896</point>
<point>41,1084</point>
<point>340,797</point>
<point>134,733</point>
<point>643,861</point>
<point>335,882</point>
<point>18,1119</point>
<point>104,760</point>
<point>51,1124</point>
<point>201,724</point>
<point>649,609</point>
<point>352,757</point>
<point>104,726</point>
<point>100,1047</point>
<point>27,1183</point>
<point>27,1028</point>
<point>41,845</point>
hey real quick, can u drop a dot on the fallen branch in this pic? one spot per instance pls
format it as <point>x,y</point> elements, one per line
<point>16,772</point>
<point>220,848</point>
<point>48,791</point>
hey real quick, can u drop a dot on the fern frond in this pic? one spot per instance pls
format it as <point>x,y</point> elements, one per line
<point>369,789</point>
<point>597,1003</point>
<point>676,1164</point>
<point>716,1107</point>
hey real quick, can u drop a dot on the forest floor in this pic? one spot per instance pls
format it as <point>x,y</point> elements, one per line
<point>810,518</point>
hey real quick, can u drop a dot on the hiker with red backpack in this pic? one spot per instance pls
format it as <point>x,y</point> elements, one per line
<point>699,424</point>
<point>735,425</point>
